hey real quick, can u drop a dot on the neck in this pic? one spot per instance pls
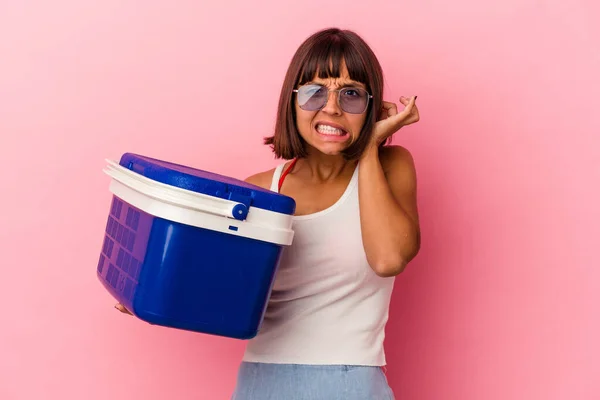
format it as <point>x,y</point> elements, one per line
<point>323,167</point>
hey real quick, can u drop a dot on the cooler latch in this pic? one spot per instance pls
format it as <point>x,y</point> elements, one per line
<point>240,210</point>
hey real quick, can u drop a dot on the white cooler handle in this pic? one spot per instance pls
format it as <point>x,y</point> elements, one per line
<point>174,195</point>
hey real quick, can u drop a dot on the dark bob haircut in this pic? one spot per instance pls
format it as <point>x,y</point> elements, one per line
<point>323,53</point>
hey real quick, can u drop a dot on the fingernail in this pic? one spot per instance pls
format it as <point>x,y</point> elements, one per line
<point>415,97</point>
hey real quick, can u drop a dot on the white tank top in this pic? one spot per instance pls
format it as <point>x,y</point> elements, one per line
<point>327,306</point>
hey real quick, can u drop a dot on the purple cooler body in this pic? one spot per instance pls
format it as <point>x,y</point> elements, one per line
<point>190,249</point>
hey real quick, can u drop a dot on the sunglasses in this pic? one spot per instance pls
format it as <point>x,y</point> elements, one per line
<point>352,100</point>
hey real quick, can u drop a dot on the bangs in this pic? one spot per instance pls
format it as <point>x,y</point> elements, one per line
<point>322,56</point>
<point>326,58</point>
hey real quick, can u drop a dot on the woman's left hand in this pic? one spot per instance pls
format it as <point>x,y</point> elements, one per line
<point>390,120</point>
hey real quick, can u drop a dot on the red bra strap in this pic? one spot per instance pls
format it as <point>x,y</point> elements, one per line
<point>287,170</point>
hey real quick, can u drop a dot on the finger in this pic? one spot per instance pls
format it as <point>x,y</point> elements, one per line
<point>410,114</point>
<point>414,109</point>
<point>407,116</point>
<point>404,101</point>
<point>410,107</point>
<point>390,108</point>
<point>121,308</point>
<point>387,109</point>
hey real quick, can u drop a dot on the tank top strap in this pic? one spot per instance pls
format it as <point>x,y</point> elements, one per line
<point>276,177</point>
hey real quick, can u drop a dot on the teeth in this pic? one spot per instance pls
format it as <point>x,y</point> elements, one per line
<point>329,130</point>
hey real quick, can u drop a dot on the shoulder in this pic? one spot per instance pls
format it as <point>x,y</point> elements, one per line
<point>396,160</point>
<point>262,179</point>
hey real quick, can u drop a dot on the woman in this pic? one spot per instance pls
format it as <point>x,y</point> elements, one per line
<point>356,227</point>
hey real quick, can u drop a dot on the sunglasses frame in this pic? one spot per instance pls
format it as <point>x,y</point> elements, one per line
<point>369,97</point>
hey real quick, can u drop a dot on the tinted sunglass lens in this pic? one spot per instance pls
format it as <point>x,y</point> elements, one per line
<point>312,97</point>
<point>353,100</point>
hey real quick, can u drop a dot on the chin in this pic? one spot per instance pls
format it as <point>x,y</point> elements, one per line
<point>328,146</point>
<point>330,149</point>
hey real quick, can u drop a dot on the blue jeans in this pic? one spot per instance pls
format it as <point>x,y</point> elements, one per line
<point>260,381</point>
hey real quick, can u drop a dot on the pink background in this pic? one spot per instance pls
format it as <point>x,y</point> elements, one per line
<point>502,302</point>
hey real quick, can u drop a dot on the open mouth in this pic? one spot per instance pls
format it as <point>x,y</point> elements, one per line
<point>330,131</point>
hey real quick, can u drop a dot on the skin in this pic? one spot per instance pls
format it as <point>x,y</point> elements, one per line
<point>387,178</point>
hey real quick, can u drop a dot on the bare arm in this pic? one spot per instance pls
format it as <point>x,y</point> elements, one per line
<point>387,194</point>
<point>388,209</point>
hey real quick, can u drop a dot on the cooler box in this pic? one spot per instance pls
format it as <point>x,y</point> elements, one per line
<point>190,249</point>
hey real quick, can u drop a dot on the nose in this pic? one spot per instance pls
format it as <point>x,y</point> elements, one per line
<point>332,107</point>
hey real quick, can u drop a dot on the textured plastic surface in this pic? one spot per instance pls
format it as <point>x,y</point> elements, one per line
<point>184,277</point>
<point>208,183</point>
<point>190,277</point>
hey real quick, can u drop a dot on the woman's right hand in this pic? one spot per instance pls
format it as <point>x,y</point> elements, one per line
<point>121,308</point>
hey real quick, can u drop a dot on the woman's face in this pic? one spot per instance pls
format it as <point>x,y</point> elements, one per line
<point>330,130</point>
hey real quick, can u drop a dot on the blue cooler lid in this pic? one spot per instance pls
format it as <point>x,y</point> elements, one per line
<point>208,183</point>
